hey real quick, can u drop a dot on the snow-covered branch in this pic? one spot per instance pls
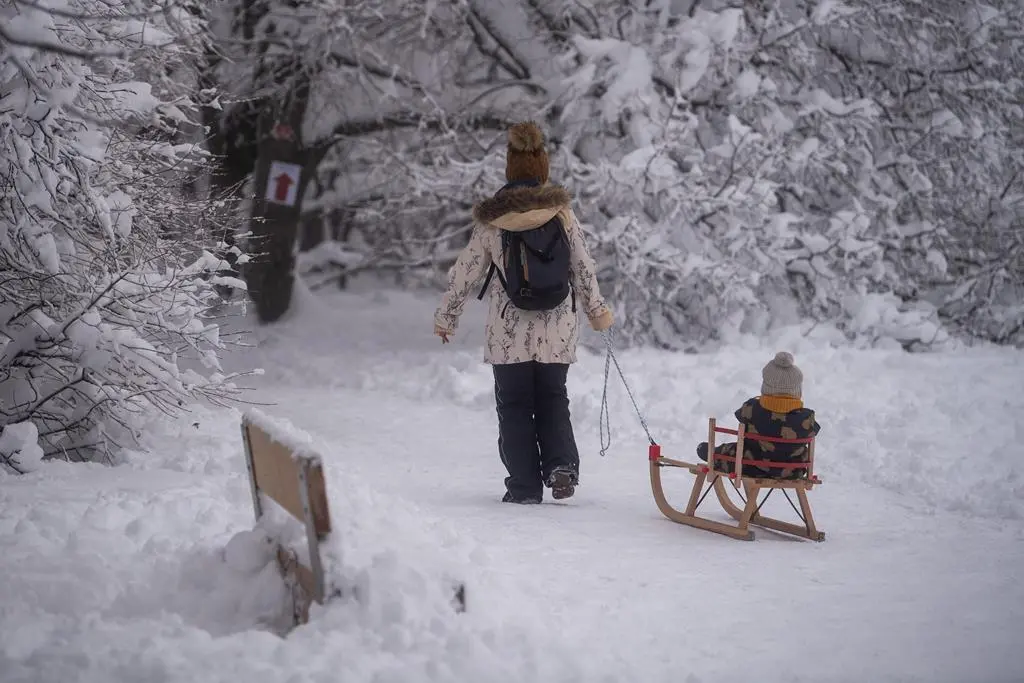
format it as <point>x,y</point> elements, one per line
<point>106,283</point>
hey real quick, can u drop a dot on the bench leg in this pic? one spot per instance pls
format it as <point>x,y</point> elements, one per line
<point>312,537</point>
<point>290,569</point>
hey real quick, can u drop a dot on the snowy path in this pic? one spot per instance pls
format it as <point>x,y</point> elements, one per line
<point>118,574</point>
<point>893,591</point>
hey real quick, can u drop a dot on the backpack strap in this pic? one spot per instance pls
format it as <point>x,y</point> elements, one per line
<point>494,270</point>
<point>505,238</point>
<point>487,282</point>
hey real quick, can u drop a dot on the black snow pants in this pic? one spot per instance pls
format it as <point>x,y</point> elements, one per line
<point>534,431</point>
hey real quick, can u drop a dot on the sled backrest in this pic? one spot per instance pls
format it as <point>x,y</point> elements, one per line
<point>741,435</point>
<point>296,483</point>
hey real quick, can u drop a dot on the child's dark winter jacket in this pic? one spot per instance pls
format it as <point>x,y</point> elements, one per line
<point>783,418</point>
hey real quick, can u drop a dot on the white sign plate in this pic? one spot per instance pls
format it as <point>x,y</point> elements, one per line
<point>283,183</point>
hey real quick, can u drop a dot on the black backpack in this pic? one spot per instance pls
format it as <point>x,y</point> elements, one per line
<point>536,267</point>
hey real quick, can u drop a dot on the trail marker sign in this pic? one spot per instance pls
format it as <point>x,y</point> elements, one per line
<point>283,183</point>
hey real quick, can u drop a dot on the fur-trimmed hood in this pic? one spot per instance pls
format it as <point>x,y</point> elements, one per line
<point>522,207</point>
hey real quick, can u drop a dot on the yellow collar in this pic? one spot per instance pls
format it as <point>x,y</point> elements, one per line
<point>780,404</point>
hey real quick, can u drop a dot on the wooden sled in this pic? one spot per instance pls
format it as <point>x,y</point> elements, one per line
<point>748,488</point>
<point>296,483</point>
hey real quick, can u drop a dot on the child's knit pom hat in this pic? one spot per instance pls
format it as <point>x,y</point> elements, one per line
<point>781,378</point>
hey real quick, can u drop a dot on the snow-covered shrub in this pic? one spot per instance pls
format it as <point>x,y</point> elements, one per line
<point>19,447</point>
<point>104,284</point>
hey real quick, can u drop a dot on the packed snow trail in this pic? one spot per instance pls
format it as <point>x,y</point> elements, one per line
<point>912,581</point>
<point>121,573</point>
<point>894,592</point>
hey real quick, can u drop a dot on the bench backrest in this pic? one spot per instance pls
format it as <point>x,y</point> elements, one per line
<point>296,483</point>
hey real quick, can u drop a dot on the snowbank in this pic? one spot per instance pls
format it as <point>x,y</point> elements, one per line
<point>380,549</point>
<point>153,571</point>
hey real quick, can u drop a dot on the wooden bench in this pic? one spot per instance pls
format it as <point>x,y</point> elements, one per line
<point>748,488</point>
<point>295,481</point>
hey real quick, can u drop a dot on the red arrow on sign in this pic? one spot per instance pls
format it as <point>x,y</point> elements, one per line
<point>282,184</point>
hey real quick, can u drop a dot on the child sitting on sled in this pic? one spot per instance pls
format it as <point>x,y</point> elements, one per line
<point>778,412</point>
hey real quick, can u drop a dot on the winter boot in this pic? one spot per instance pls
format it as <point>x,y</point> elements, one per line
<point>562,481</point>
<point>527,500</point>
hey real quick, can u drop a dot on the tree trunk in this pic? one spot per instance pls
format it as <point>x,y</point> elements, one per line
<point>284,167</point>
<point>274,224</point>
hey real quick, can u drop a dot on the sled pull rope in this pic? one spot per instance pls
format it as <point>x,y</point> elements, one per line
<point>604,424</point>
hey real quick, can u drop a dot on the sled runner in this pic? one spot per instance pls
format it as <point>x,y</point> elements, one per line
<point>296,483</point>
<point>749,488</point>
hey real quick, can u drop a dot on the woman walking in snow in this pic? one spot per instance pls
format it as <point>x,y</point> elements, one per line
<point>528,235</point>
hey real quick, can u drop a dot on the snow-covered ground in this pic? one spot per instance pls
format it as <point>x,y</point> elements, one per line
<point>148,571</point>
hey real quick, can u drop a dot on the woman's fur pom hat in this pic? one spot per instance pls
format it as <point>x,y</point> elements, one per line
<point>527,159</point>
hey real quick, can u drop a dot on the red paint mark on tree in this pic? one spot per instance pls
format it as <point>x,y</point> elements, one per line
<point>282,131</point>
<point>282,184</point>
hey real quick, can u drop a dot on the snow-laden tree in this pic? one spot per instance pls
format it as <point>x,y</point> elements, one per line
<point>104,286</point>
<point>909,167</point>
<point>737,165</point>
